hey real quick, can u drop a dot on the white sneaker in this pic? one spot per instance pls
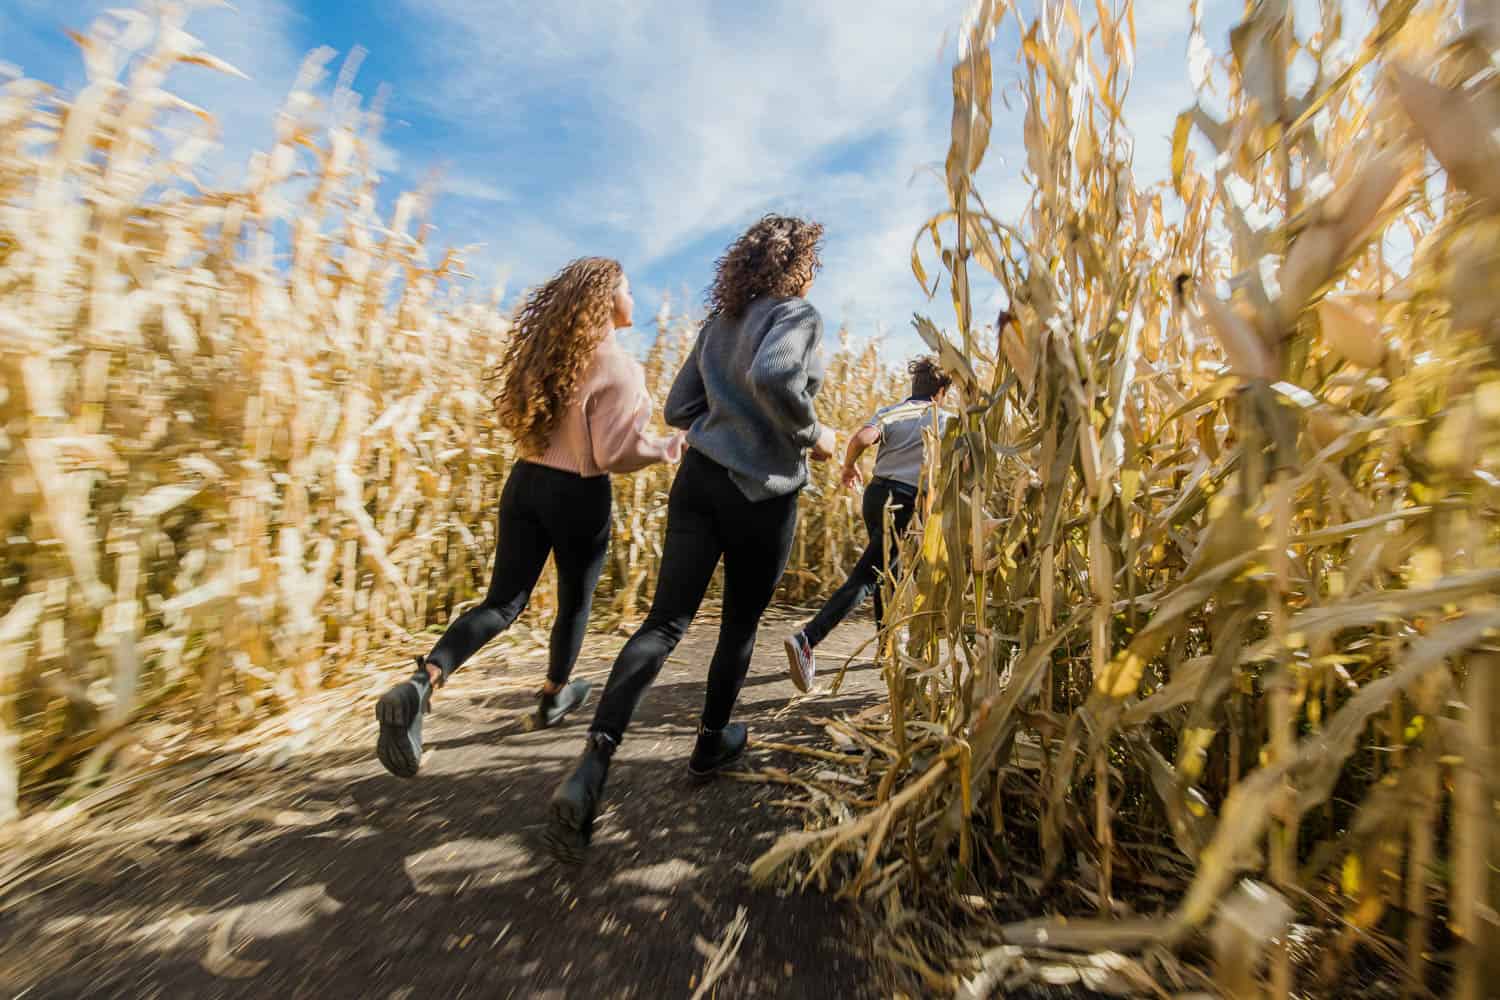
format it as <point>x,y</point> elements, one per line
<point>800,661</point>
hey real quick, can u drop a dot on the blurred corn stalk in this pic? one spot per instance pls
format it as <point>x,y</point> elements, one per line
<point>1207,583</point>
<point>245,436</point>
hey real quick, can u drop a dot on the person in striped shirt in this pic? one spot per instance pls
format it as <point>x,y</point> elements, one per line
<point>899,431</point>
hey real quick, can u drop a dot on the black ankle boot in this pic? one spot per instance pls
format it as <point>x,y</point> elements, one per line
<point>716,749</point>
<point>574,805</point>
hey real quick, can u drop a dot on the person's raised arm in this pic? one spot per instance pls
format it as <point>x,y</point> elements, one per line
<point>687,400</point>
<point>779,373</point>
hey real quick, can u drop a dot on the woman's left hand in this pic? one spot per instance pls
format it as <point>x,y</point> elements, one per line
<point>823,450</point>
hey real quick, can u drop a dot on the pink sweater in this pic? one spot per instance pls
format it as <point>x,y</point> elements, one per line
<point>603,430</point>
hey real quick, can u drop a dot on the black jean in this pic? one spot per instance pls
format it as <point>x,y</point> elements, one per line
<point>543,511</point>
<point>707,518</point>
<point>864,579</point>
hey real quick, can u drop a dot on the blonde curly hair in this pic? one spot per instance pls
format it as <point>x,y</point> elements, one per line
<point>777,256</point>
<point>552,342</point>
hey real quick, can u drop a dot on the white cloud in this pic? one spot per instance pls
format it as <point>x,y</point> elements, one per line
<point>693,119</point>
<point>747,120</point>
<point>472,189</point>
<point>387,158</point>
<point>514,255</point>
<point>257,37</point>
<point>712,118</point>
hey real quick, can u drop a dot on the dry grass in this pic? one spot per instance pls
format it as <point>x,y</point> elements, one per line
<point>1207,586</point>
<point>246,442</point>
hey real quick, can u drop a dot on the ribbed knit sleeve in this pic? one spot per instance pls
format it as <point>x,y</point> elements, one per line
<point>780,376</point>
<point>687,400</point>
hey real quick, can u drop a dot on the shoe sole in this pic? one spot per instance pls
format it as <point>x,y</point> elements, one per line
<point>395,711</point>
<point>794,665</point>
<point>703,777</point>
<point>565,836</point>
<point>545,723</point>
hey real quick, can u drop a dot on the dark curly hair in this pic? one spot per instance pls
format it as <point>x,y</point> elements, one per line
<point>776,256</point>
<point>927,376</point>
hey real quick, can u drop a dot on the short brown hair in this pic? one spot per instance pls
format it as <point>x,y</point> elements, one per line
<point>927,376</point>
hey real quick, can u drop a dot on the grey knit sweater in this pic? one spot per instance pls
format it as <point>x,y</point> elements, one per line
<point>745,394</point>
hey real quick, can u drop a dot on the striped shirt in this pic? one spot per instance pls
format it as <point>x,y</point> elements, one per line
<point>902,447</point>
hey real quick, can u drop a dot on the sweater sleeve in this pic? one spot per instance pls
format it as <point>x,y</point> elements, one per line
<point>687,400</point>
<point>619,411</point>
<point>779,374</point>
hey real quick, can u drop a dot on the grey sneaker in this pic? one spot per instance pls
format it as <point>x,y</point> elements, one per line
<point>551,708</point>
<point>399,712</point>
<point>801,663</point>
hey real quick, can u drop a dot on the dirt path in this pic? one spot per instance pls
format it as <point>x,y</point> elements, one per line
<point>348,882</point>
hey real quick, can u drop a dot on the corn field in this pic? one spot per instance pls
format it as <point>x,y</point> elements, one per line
<point>247,439</point>
<point>1200,629</point>
<point>1189,671</point>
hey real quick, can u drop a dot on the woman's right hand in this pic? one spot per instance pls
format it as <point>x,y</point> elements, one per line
<point>825,446</point>
<point>676,446</point>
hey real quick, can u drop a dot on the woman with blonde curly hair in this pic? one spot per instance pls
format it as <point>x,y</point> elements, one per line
<point>745,397</point>
<point>577,406</point>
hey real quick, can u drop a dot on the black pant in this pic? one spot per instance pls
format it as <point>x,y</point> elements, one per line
<point>542,511</point>
<point>707,517</point>
<point>864,579</point>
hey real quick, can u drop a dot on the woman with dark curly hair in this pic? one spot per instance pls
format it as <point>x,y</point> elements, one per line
<point>577,406</point>
<point>745,398</point>
<point>899,430</point>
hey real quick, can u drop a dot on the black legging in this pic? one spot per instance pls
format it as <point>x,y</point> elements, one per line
<point>864,579</point>
<point>542,511</point>
<point>707,517</point>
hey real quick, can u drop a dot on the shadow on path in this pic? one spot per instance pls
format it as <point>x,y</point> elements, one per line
<point>354,883</point>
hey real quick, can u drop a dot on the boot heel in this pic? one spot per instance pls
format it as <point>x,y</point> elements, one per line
<point>717,750</point>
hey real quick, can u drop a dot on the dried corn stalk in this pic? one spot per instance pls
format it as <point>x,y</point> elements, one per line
<point>245,437</point>
<point>1218,532</point>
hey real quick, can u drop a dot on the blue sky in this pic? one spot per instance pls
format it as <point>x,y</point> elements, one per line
<point>650,130</point>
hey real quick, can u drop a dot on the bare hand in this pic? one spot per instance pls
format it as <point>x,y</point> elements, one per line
<point>850,478</point>
<point>826,444</point>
